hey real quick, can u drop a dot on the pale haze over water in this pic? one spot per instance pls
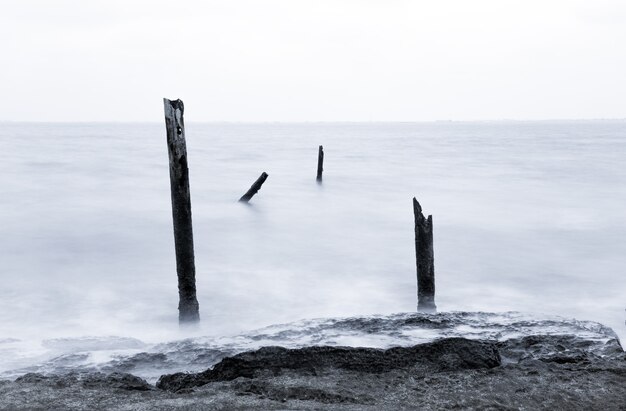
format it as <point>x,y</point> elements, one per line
<point>528,216</point>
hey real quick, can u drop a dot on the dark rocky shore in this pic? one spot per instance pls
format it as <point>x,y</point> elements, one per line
<point>564,372</point>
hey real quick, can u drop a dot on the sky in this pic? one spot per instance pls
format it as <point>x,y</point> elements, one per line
<point>313,60</point>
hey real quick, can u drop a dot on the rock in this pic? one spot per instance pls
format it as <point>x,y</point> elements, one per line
<point>542,364</point>
<point>284,393</point>
<point>31,378</point>
<point>88,380</point>
<point>116,380</point>
<point>560,349</point>
<point>449,354</point>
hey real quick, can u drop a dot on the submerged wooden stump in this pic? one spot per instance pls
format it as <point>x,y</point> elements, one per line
<point>425,261</point>
<point>254,188</point>
<point>188,310</point>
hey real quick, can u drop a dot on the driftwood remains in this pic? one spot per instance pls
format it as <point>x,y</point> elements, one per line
<point>254,189</point>
<point>181,211</point>
<point>320,164</point>
<point>425,261</point>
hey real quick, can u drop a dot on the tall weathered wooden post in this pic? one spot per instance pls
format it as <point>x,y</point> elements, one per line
<point>181,211</point>
<point>425,261</point>
<point>320,164</point>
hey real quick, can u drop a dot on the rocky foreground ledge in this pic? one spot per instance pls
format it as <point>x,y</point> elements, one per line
<point>527,372</point>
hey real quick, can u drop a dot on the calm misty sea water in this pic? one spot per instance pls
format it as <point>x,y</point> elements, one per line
<point>528,216</point>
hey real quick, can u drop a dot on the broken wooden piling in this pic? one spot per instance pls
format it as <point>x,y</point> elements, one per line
<point>188,310</point>
<point>425,262</point>
<point>320,164</point>
<point>254,189</point>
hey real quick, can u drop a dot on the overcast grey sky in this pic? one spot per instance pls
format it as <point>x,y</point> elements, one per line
<point>313,60</point>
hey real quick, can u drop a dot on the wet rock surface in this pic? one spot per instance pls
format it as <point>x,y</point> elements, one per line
<point>445,355</point>
<point>88,380</point>
<point>581,370</point>
<point>110,354</point>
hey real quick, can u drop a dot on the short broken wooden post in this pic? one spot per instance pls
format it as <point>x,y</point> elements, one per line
<point>188,310</point>
<point>320,164</point>
<point>254,189</point>
<point>425,261</point>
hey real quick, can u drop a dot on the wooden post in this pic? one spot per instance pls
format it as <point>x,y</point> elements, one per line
<point>320,164</point>
<point>254,189</point>
<point>425,260</point>
<point>181,211</point>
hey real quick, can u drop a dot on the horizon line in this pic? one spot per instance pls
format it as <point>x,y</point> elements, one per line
<point>504,120</point>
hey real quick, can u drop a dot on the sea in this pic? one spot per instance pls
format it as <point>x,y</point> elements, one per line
<point>528,218</point>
